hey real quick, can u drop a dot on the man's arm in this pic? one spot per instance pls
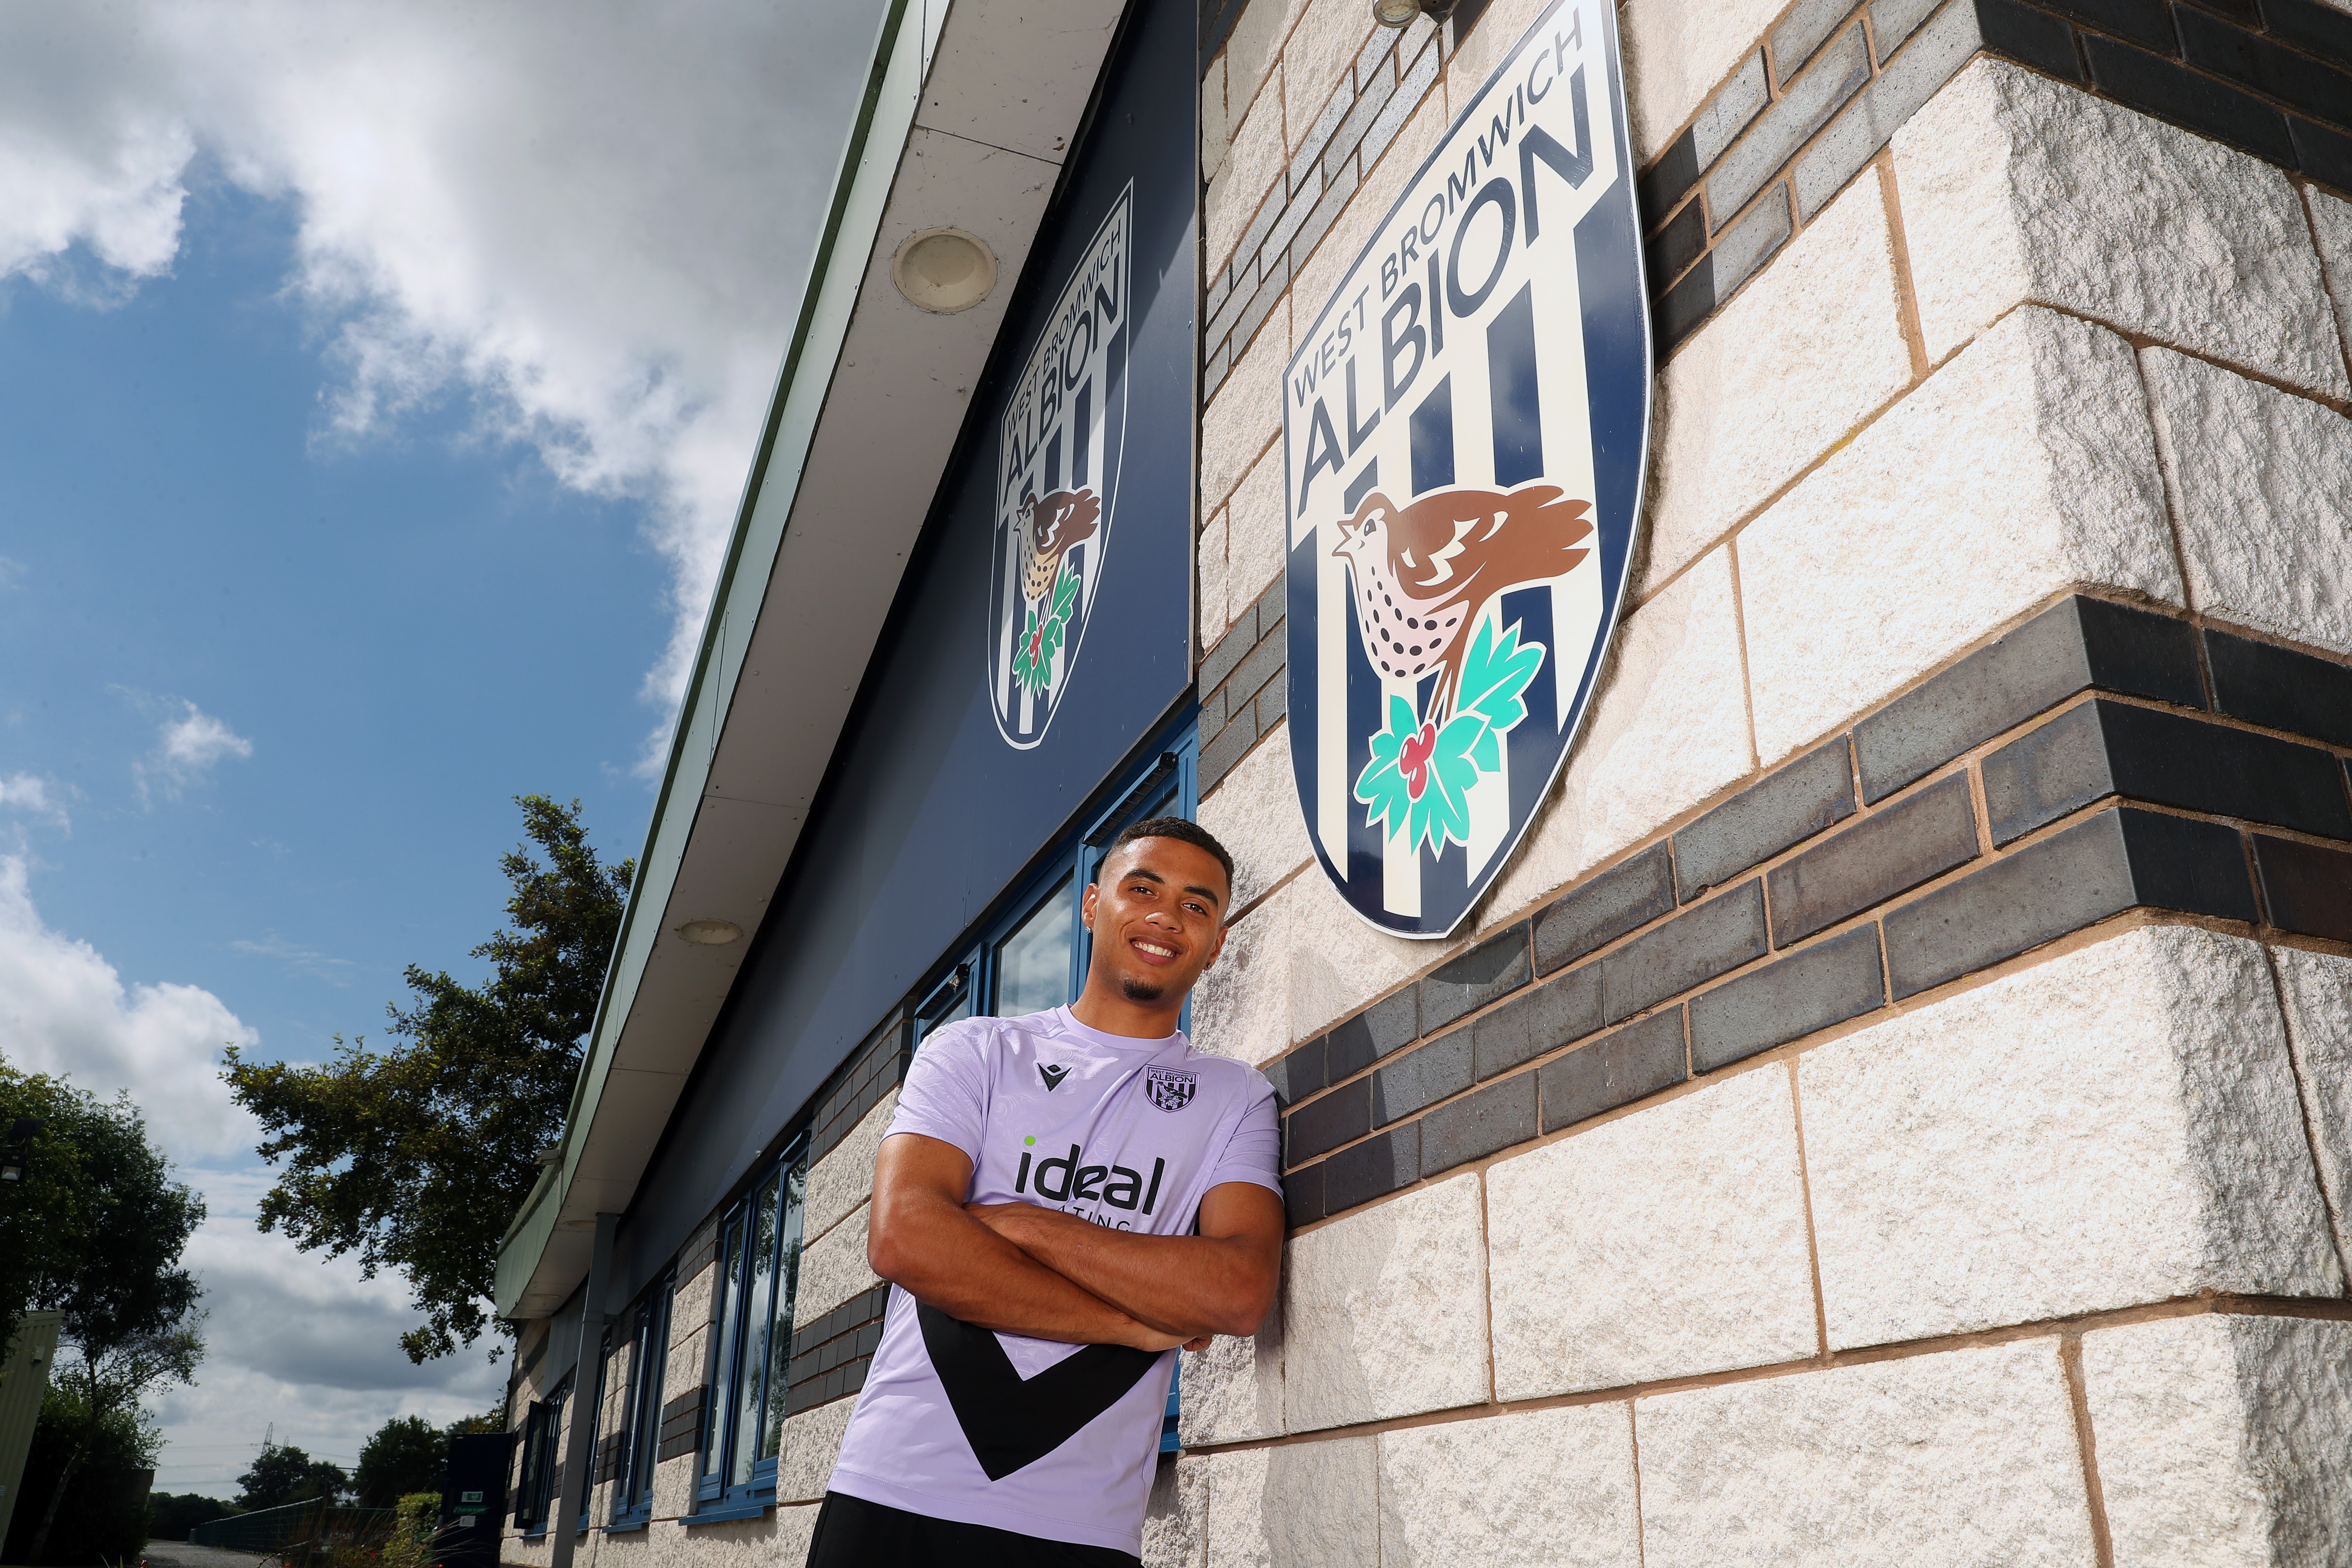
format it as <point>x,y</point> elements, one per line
<point>918,1236</point>
<point>1220,1281</point>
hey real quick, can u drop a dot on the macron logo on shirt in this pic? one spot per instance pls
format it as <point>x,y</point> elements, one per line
<point>1053,1073</point>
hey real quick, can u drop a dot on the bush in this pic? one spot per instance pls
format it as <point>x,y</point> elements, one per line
<point>171,1518</point>
<point>103,1515</point>
<point>415,1519</point>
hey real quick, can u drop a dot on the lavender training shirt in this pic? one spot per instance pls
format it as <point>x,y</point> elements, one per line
<point>1033,1435</point>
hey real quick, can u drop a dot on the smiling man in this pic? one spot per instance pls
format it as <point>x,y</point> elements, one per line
<point>1062,1200</point>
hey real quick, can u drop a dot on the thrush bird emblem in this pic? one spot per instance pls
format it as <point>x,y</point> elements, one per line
<point>1421,573</point>
<point>1049,526</point>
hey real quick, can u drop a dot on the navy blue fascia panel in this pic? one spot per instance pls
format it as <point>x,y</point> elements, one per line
<point>926,812</point>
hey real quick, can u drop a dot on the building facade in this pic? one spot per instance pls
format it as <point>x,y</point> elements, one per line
<point>1889,1097</point>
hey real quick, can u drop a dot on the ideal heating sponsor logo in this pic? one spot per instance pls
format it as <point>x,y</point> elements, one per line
<point>1067,1181</point>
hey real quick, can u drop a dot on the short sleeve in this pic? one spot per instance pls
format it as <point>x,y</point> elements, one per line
<point>1252,1149</point>
<point>945,1095</point>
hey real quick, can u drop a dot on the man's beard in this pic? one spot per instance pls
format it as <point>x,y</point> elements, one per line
<point>1141,990</point>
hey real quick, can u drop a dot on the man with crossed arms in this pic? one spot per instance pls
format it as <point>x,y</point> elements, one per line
<point>1062,1200</point>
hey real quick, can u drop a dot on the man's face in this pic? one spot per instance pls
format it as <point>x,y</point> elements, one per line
<point>1158,913</point>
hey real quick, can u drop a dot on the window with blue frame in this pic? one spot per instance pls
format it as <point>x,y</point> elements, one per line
<point>1035,957</point>
<point>632,1494</point>
<point>759,1268</point>
<point>541,1474</point>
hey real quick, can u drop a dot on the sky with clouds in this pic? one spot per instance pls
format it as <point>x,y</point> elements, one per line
<point>377,384</point>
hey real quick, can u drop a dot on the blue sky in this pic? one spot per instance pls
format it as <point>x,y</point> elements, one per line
<point>376,388</point>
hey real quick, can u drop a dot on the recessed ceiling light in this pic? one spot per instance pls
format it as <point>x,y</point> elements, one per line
<point>711,933</point>
<point>944,270</point>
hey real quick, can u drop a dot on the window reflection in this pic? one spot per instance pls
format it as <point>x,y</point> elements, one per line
<point>1033,964</point>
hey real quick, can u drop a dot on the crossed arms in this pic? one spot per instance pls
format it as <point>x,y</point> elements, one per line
<point>1021,1269</point>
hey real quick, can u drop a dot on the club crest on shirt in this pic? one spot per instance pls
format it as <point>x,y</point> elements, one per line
<point>1169,1090</point>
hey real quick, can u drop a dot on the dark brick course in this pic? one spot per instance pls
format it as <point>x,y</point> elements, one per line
<point>1302,1196</point>
<point>2144,21</point>
<point>2308,25</point>
<point>1326,1123</point>
<point>1371,1169</point>
<point>2296,79</point>
<point>2104,748</point>
<point>2155,86</point>
<point>2075,644</point>
<point>1493,969</point>
<point>1678,244</point>
<point>1612,903</point>
<point>1421,1078</point>
<point>1614,1070</point>
<point>2119,859</point>
<point>2280,687</point>
<point>1809,794</point>
<point>1473,1091</point>
<point>1896,850</point>
<point>681,1426</point>
<point>1548,1017</point>
<point>1479,1124</point>
<point>1221,660</point>
<point>1297,1074</point>
<point>1695,946</point>
<point>1374,1033</point>
<point>2308,888</point>
<point>1810,989</point>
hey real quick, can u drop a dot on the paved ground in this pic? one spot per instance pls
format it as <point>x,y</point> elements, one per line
<point>179,1554</point>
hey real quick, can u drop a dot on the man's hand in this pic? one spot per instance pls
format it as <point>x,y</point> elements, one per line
<point>918,1236</point>
<point>1220,1281</point>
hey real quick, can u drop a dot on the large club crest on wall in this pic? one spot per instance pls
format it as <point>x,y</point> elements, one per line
<point>1057,485</point>
<point>1464,432</point>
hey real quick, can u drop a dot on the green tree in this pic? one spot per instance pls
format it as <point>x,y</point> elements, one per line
<point>408,1454</point>
<point>43,1220</point>
<point>111,1266</point>
<point>417,1157</point>
<point>171,1517</point>
<point>101,1521</point>
<point>282,1473</point>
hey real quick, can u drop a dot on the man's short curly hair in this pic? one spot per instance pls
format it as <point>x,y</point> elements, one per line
<point>1176,828</point>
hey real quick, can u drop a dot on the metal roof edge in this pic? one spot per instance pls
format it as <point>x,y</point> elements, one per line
<point>860,195</point>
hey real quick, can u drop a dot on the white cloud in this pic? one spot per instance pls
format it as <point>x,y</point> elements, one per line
<point>33,797</point>
<point>64,1009</point>
<point>196,740</point>
<point>296,1339</point>
<point>307,960</point>
<point>595,219</point>
<point>188,742</point>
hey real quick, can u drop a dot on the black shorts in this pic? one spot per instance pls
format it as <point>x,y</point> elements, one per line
<point>854,1533</point>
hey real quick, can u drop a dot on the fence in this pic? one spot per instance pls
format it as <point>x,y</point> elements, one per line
<point>296,1531</point>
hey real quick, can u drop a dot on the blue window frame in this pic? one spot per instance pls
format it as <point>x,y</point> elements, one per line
<point>759,1270</point>
<point>633,1495</point>
<point>1035,956</point>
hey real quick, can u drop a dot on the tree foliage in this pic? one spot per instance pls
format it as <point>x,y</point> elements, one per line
<point>107,1225</point>
<point>417,1157</point>
<point>282,1473</point>
<point>408,1454</point>
<point>101,1464</point>
<point>171,1518</point>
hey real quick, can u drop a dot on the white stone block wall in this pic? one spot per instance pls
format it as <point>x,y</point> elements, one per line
<point>1992,1279</point>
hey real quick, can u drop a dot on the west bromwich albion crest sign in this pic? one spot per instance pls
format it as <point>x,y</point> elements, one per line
<point>1464,432</point>
<point>1057,485</point>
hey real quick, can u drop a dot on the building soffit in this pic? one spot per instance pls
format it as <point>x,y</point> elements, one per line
<point>865,414</point>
